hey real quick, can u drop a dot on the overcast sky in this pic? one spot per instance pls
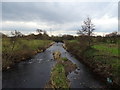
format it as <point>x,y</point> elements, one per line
<point>60,17</point>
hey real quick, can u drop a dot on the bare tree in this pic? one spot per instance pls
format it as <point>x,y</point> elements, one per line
<point>15,34</point>
<point>39,31</point>
<point>87,29</point>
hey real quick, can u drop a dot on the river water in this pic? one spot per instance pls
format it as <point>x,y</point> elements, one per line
<point>35,73</point>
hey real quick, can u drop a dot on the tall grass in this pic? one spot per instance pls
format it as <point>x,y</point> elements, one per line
<point>23,44</point>
<point>22,49</point>
<point>103,58</point>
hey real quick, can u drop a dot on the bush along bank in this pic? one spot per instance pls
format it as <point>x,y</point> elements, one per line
<point>59,72</point>
<point>22,50</point>
<point>103,65</point>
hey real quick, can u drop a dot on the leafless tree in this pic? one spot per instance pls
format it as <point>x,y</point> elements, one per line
<point>87,29</point>
<point>15,35</point>
<point>39,31</point>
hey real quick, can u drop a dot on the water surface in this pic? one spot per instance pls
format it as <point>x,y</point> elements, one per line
<point>35,73</point>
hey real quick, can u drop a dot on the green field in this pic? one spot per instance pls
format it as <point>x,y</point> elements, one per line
<point>108,54</point>
<point>23,44</point>
<point>109,49</point>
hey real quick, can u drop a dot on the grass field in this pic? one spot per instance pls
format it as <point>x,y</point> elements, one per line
<point>21,49</point>
<point>109,49</point>
<point>109,56</point>
<point>23,44</point>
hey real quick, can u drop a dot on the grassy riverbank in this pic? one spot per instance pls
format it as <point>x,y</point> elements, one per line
<point>102,58</point>
<point>60,71</point>
<point>21,49</point>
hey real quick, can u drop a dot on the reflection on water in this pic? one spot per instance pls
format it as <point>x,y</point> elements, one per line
<point>34,73</point>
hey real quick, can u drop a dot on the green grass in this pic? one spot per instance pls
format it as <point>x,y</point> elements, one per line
<point>64,59</point>
<point>109,49</point>
<point>102,54</point>
<point>58,78</point>
<point>72,41</point>
<point>24,44</point>
<point>103,57</point>
<point>59,72</point>
<point>107,55</point>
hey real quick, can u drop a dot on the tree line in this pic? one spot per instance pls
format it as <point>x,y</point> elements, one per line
<point>85,33</point>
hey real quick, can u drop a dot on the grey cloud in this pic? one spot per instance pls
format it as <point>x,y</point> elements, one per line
<point>52,12</point>
<point>56,13</point>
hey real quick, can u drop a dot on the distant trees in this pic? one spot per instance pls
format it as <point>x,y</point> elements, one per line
<point>39,31</point>
<point>42,34</point>
<point>62,38</point>
<point>67,37</point>
<point>31,36</point>
<point>86,30</point>
<point>16,33</point>
<point>111,34</point>
<point>3,35</point>
<point>112,37</point>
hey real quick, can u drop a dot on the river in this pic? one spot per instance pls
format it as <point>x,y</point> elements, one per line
<point>35,73</point>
